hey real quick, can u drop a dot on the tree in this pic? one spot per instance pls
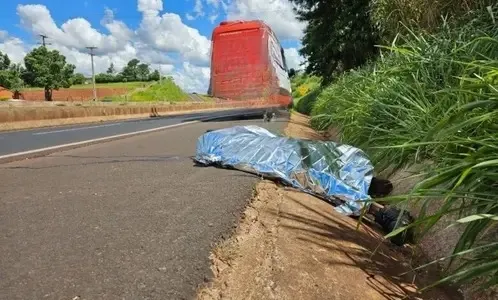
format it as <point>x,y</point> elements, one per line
<point>105,78</point>
<point>155,76</point>
<point>118,78</point>
<point>111,69</point>
<point>130,71</point>
<point>143,72</point>
<point>292,72</point>
<point>78,78</point>
<point>15,82</point>
<point>4,61</point>
<point>338,36</point>
<point>47,69</point>
<point>10,74</point>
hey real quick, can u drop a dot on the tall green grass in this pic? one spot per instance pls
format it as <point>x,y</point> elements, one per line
<point>305,103</point>
<point>305,90</point>
<point>433,99</point>
<point>424,15</point>
<point>165,91</point>
<point>303,83</point>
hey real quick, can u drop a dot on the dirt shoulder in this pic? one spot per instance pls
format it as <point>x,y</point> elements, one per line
<point>290,245</point>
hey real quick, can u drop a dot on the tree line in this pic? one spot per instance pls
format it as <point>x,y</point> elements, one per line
<point>48,69</point>
<point>133,71</point>
<point>344,35</point>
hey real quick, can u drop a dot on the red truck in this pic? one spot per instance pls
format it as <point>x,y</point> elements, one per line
<point>248,62</point>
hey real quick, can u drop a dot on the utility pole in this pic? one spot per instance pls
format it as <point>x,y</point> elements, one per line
<point>93,73</point>
<point>43,40</point>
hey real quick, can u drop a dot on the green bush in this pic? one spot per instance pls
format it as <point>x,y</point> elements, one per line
<point>305,104</point>
<point>432,97</point>
<point>166,91</point>
<point>302,84</point>
<point>305,89</point>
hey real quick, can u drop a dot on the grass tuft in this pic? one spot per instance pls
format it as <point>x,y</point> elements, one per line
<point>166,91</point>
<point>432,98</point>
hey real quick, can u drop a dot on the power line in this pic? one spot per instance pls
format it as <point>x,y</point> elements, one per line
<point>93,72</point>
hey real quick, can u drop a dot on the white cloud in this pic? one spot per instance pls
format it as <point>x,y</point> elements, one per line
<point>168,33</point>
<point>293,58</point>
<point>108,16</point>
<point>278,14</point>
<point>3,35</point>
<point>198,11</point>
<point>118,29</point>
<point>199,8</point>
<point>213,18</point>
<point>164,32</point>
<point>75,33</point>
<point>13,47</point>
<point>216,4</point>
<point>159,37</point>
<point>164,69</point>
<point>193,78</point>
<point>150,5</point>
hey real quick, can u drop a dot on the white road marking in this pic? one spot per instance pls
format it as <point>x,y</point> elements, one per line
<point>103,139</point>
<point>75,129</point>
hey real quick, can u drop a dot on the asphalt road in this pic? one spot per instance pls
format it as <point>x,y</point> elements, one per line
<point>26,140</point>
<point>127,219</point>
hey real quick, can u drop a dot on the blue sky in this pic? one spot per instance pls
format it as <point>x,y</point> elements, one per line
<point>172,36</point>
<point>93,11</point>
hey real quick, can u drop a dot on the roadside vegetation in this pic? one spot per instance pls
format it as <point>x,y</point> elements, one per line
<point>48,70</point>
<point>305,89</point>
<point>428,95</point>
<point>167,91</point>
<point>89,85</point>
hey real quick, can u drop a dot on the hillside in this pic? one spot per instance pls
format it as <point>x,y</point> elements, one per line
<point>168,90</point>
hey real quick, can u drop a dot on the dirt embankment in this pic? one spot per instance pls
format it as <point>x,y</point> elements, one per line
<point>290,245</point>
<point>73,94</point>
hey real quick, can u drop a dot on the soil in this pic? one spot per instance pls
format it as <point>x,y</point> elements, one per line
<point>73,94</point>
<point>291,245</point>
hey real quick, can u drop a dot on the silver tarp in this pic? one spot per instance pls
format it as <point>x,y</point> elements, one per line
<point>323,168</point>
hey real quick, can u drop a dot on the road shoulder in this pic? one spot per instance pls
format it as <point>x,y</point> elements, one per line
<point>290,245</point>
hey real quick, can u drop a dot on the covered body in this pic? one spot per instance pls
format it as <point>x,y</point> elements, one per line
<point>248,62</point>
<point>323,168</point>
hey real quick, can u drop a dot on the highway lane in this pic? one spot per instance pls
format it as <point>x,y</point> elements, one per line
<point>127,219</point>
<point>26,140</point>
